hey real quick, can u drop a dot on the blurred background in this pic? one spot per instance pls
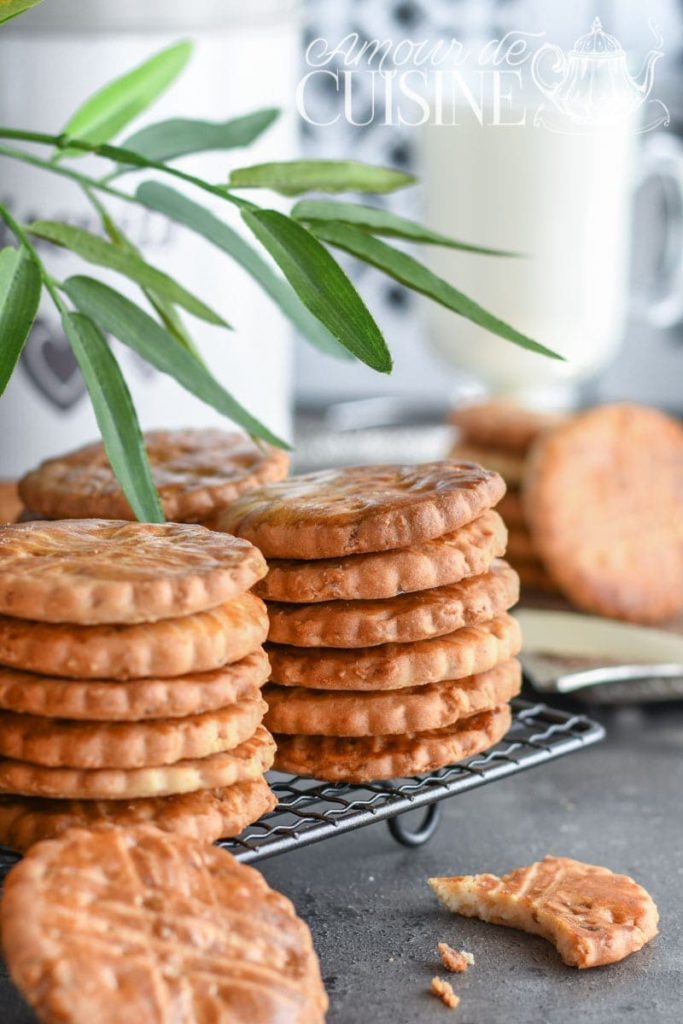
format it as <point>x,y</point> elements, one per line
<point>597,214</point>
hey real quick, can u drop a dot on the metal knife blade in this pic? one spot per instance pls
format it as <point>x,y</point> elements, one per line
<point>565,651</point>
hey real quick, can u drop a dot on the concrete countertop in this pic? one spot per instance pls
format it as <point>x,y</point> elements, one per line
<point>376,924</point>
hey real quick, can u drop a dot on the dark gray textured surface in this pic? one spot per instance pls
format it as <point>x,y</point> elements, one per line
<point>376,924</point>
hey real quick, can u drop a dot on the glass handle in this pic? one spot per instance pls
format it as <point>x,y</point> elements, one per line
<point>662,161</point>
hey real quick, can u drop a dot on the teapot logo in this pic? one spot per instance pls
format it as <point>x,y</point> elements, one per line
<point>593,87</point>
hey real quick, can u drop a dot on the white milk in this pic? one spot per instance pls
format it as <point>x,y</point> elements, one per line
<point>564,200</point>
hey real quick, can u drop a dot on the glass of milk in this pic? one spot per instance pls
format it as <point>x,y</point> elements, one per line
<point>562,200</point>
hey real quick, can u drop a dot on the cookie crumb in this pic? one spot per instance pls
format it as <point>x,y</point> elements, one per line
<point>454,960</point>
<point>444,991</point>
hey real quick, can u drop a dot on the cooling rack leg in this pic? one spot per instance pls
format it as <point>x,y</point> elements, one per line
<point>416,837</point>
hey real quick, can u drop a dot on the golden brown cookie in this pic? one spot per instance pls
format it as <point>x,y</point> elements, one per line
<point>150,927</point>
<point>465,652</point>
<point>10,503</point>
<point>170,647</point>
<point>196,472</point>
<point>368,758</point>
<point>468,551</point>
<point>358,509</point>
<point>58,743</point>
<point>396,619</point>
<point>93,571</point>
<point>511,509</point>
<point>389,712</point>
<point>591,915</point>
<point>603,499</point>
<point>502,424</point>
<point>510,467</point>
<point>244,763</point>
<point>208,814</point>
<point>110,700</point>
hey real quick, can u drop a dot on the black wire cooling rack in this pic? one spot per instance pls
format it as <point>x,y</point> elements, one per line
<point>310,811</point>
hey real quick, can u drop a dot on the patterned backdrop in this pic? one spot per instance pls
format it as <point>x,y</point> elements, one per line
<point>649,363</point>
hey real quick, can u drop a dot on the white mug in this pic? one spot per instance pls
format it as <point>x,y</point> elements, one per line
<point>564,202</point>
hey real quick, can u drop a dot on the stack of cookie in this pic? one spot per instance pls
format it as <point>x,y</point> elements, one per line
<point>131,669</point>
<point>391,649</point>
<point>499,435</point>
<point>196,472</point>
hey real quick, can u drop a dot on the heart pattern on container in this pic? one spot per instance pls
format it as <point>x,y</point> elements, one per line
<point>51,367</point>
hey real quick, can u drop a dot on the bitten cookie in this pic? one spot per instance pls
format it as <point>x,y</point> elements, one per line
<point>592,916</point>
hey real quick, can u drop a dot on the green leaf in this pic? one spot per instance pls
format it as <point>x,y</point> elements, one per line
<point>293,177</point>
<point>380,222</point>
<point>321,285</point>
<point>184,211</point>
<point>12,8</point>
<point>167,140</point>
<point>116,104</point>
<point>131,325</point>
<point>115,414</point>
<point>20,287</point>
<point>104,254</point>
<point>414,275</point>
<point>167,312</point>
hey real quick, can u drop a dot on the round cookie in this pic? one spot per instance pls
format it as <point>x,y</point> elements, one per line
<point>196,472</point>
<point>372,758</point>
<point>502,425</point>
<point>139,925</point>
<point>208,814</point>
<point>94,571</point>
<point>170,647</point>
<point>246,762</point>
<point>58,743</point>
<point>389,712</point>
<point>603,500</point>
<point>465,652</point>
<point>358,509</point>
<point>397,619</point>
<point>110,700</point>
<point>468,551</point>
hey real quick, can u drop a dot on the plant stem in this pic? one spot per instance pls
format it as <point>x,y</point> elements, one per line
<point>65,172</point>
<point>18,133</point>
<point>63,142</point>
<point>21,236</point>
